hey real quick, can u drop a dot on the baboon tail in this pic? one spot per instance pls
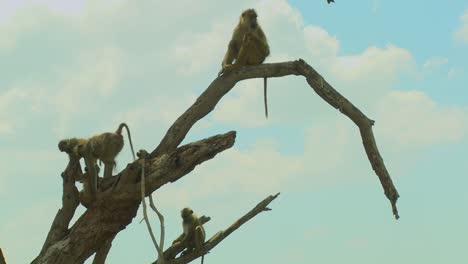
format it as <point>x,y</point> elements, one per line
<point>129,137</point>
<point>265,96</point>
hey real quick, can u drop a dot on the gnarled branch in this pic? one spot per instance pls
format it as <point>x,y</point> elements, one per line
<point>113,210</point>
<point>220,236</point>
<point>222,85</point>
<point>2,258</point>
<point>70,201</point>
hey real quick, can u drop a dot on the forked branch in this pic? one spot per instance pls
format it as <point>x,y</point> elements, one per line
<point>70,201</point>
<point>220,236</point>
<point>207,101</point>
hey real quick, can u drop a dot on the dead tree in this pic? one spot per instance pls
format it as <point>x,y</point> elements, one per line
<point>2,258</point>
<point>117,202</point>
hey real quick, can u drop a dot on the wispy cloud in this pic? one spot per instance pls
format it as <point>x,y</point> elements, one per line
<point>435,62</point>
<point>461,34</point>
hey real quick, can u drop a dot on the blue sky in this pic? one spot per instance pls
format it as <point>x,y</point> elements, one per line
<point>78,68</point>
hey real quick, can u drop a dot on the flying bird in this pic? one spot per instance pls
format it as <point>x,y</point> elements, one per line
<point>330,1</point>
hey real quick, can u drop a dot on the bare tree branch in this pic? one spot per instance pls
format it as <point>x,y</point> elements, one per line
<point>2,258</point>
<point>222,85</point>
<point>163,230</point>
<point>70,201</point>
<point>115,208</point>
<point>101,254</point>
<point>220,236</point>
<point>145,211</point>
<point>172,166</point>
<point>113,211</point>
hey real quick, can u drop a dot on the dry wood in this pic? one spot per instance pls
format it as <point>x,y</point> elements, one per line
<point>218,237</point>
<point>115,208</point>
<point>222,85</point>
<point>2,258</point>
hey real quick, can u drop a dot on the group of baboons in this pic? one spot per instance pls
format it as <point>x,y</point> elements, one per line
<point>248,46</point>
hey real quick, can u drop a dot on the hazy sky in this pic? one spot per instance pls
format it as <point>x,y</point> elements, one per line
<point>78,68</point>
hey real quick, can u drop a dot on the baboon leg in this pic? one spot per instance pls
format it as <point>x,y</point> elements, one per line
<point>91,182</point>
<point>257,52</point>
<point>231,54</point>
<point>262,48</point>
<point>199,237</point>
<point>108,167</point>
<point>244,51</point>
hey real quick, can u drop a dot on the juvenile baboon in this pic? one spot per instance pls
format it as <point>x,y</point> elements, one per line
<point>103,147</point>
<point>194,233</point>
<point>248,46</point>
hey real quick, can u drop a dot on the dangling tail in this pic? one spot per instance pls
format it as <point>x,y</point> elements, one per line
<point>265,96</point>
<point>119,131</point>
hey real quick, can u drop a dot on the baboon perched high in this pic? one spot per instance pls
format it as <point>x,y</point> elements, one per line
<point>248,46</point>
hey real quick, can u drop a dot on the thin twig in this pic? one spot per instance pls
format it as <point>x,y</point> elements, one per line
<point>161,221</point>
<point>218,237</point>
<point>220,86</point>
<point>145,213</point>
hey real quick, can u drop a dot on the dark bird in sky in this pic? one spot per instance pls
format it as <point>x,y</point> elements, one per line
<point>330,1</point>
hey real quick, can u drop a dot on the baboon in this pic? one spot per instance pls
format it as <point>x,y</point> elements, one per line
<point>103,147</point>
<point>194,233</point>
<point>248,46</point>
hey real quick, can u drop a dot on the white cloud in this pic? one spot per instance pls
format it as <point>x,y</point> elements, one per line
<point>411,119</point>
<point>245,105</point>
<point>10,8</point>
<point>320,44</point>
<point>461,34</point>
<point>201,49</point>
<point>249,171</point>
<point>374,65</point>
<point>12,101</point>
<point>80,90</point>
<point>167,109</point>
<point>126,66</point>
<point>12,30</point>
<point>435,62</point>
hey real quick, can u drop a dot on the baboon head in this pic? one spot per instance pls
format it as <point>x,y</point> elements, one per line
<point>63,145</point>
<point>249,18</point>
<point>186,213</point>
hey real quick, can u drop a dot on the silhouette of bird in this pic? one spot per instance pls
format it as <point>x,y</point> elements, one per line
<point>330,1</point>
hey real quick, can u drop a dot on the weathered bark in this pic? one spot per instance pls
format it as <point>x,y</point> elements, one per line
<point>114,210</point>
<point>118,197</point>
<point>70,201</point>
<point>222,85</point>
<point>101,254</point>
<point>218,237</point>
<point>2,258</point>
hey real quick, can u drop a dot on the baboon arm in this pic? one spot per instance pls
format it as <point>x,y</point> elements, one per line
<point>179,239</point>
<point>262,43</point>
<point>231,53</point>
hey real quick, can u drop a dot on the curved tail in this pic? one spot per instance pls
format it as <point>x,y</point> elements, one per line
<point>119,131</point>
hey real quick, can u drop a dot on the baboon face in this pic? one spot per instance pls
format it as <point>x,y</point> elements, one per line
<point>62,145</point>
<point>186,212</point>
<point>249,17</point>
